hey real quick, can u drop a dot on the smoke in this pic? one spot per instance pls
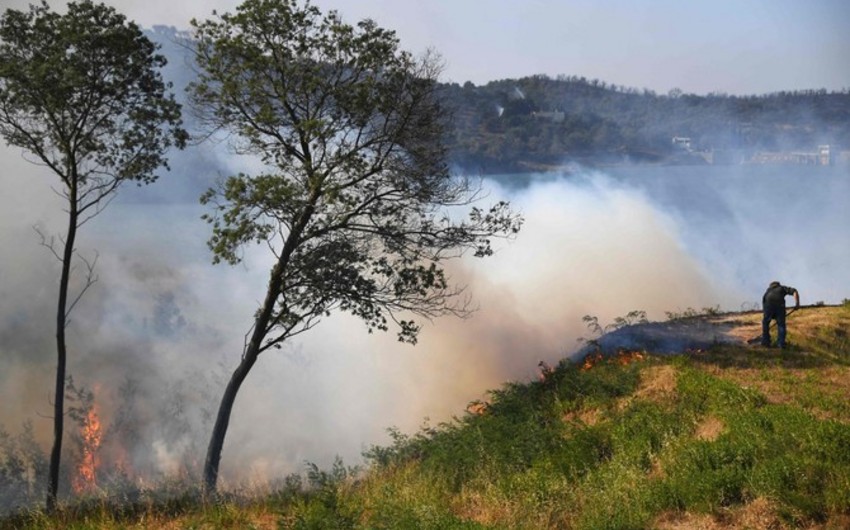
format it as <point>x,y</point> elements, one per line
<point>162,328</point>
<point>749,225</point>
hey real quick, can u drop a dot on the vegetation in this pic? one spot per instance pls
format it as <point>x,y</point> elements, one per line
<point>539,122</point>
<point>536,122</point>
<point>692,313</point>
<point>81,94</point>
<point>360,211</point>
<point>357,204</point>
<point>733,437</point>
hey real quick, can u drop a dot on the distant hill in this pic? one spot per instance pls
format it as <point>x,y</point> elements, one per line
<point>539,122</point>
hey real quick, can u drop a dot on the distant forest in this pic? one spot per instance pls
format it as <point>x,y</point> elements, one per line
<point>539,122</point>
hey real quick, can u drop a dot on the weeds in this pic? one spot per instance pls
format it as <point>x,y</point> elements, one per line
<point>23,466</point>
<point>693,313</point>
<point>585,448</point>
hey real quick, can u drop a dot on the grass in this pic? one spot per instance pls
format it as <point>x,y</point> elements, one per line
<point>187,513</point>
<point>732,437</point>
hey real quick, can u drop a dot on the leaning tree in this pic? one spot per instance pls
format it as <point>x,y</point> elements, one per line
<point>82,95</point>
<point>355,200</point>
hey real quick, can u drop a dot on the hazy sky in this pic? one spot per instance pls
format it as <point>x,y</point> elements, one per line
<point>733,46</point>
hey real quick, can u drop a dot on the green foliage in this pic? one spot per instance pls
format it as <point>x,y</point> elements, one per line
<point>81,92</point>
<point>511,125</point>
<point>707,394</point>
<point>355,201</point>
<point>522,428</point>
<point>772,451</point>
<point>324,506</point>
<point>528,462</point>
<point>23,467</point>
<point>357,192</point>
<point>603,475</point>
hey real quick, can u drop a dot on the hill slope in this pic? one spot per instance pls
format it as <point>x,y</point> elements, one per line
<point>725,436</point>
<point>719,435</point>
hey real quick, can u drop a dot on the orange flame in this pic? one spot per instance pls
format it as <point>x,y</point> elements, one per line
<point>477,407</point>
<point>92,435</point>
<point>623,358</point>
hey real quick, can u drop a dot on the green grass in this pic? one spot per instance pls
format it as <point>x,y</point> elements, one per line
<point>616,446</point>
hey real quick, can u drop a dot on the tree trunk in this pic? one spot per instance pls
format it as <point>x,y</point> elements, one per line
<point>222,421</point>
<point>61,320</point>
<point>249,357</point>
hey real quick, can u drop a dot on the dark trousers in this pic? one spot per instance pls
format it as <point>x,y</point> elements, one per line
<point>773,313</point>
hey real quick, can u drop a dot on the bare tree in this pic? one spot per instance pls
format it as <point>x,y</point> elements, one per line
<point>81,94</point>
<point>357,203</point>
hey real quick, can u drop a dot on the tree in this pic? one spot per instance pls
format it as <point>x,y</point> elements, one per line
<point>81,94</point>
<point>355,203</point>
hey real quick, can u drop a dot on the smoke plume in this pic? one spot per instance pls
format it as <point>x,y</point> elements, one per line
<point>162,328</point>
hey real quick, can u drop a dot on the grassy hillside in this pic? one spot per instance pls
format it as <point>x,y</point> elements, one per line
<point>727,436</point>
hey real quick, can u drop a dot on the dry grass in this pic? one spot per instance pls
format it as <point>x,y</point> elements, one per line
<point>587,416</point>
<point>709,429</point>
<point>183,523</point>
<point>657,383</point>
<point>760,514</point>
<point>476,506</point>
<point>814,374</point>
<point>823,393</point>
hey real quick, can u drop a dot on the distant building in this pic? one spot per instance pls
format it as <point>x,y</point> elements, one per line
<point>824,155</point>
<point>682,142</point>
<point>556,116</point>
<point>821,157</point>
<point>726,157</point>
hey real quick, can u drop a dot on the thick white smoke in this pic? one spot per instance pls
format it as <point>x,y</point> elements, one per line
<point>161,330</point>
<point>588,246</point>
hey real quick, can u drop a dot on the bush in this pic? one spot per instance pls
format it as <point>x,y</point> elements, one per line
<point>23,470</point>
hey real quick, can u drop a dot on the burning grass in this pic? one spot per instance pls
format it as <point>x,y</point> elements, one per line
<point>726,437</point>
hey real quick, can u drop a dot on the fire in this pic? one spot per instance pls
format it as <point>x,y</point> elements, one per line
<point>623,358</point>
<point>92,436</point>
<point>477,407</point>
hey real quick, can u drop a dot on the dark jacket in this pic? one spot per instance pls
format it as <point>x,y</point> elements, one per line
<point>774,297</point>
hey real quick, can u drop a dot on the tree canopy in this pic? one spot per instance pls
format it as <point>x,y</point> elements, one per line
<point>519,124</point>
<point>81,94</point>
<point>356,203</point>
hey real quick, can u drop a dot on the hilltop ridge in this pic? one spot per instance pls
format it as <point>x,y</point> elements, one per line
<point>697,331</point>
<point>720,434</point>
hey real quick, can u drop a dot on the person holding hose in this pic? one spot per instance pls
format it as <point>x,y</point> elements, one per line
<point>773,303</point>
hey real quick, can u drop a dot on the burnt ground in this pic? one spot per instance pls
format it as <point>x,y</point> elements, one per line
<point>693,333</point>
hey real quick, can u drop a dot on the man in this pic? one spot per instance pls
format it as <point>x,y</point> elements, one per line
<point>773,303</point>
